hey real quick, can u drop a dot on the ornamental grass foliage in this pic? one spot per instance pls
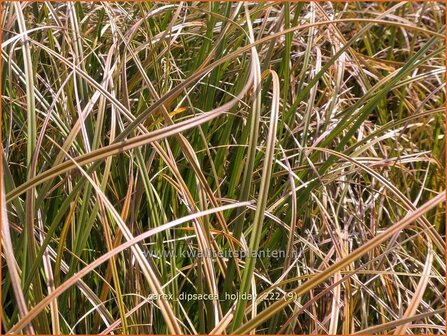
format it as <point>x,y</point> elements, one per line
<point>223,167</point>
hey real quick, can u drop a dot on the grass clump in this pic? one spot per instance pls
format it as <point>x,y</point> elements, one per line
<point>223,167</point>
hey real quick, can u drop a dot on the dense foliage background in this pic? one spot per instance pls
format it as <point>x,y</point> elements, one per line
<point>223,167</point>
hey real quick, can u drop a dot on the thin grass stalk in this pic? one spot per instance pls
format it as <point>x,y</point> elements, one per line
<point>261,205</point>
